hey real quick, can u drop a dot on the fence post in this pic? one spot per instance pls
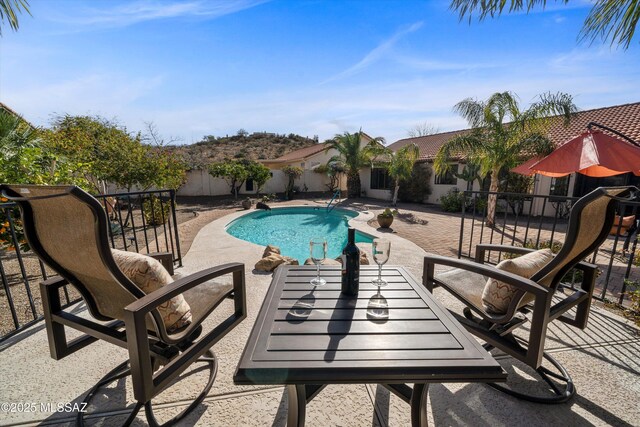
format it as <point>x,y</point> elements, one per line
<point>172,195</point>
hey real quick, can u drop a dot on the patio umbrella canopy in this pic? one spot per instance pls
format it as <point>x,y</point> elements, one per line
<point>592,153</point>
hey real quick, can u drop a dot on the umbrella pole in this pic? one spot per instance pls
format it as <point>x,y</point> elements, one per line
<point>621,135</point>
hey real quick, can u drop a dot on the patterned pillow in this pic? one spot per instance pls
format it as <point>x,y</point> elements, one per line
<point>497,295</point>
<point>149,275</point>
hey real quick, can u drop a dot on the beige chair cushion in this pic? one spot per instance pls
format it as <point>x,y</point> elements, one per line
<point>497,295</point>
<point>466,284</point>
<point>149,275</point>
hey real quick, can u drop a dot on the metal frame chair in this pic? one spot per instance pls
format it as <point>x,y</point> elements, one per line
<point>589,224</point>
<point>65,218</point>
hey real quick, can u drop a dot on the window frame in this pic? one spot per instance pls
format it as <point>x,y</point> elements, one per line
<point>377,175</point>
<point>448,178</point>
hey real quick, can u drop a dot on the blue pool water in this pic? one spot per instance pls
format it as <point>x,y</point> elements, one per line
<point>291,229</point>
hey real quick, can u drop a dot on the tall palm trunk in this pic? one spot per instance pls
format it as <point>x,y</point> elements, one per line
<point>353,185</point>
<point>491,203</point>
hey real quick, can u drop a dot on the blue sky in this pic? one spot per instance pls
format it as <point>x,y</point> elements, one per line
<point>312,67</point>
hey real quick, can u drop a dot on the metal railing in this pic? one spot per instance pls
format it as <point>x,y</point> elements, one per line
<point>143,221</point>
<point>538,221</point>
<point>335,195</point>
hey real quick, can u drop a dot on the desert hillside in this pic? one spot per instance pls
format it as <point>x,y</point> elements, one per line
<point>255,146</point>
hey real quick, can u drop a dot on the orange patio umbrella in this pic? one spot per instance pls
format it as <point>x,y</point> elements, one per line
<point>592,153</point>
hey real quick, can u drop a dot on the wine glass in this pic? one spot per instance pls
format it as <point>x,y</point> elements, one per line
<point>381,249</point>
<point>318,249</point>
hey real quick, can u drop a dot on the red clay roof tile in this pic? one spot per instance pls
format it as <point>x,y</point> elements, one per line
<point>623,118</point>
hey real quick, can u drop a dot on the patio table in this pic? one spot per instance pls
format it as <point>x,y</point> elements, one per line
<point>306,337</point>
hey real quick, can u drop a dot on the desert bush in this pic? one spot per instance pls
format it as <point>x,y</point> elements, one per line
<point>417,188</point>
<point>452,201</point>
<point>156,212</point>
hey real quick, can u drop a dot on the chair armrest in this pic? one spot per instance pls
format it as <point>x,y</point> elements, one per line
<point>55,282</point>
<point>146,382</point>
<point>541,301</point>
<point>151,301</point>
<point>484,248</point>
<point>542,295</point>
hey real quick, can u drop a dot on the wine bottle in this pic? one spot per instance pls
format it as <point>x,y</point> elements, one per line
<point>351,266</point>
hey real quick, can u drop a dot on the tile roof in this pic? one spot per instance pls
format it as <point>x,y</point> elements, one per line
<point>303,153</point>
<point>300,154</point>
<point>623,118</point>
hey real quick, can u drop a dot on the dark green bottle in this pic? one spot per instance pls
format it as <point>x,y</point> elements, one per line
<point>351,266</point>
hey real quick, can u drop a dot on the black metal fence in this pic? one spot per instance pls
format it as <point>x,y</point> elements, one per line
<point>538,221</point>
<point>139,221</point>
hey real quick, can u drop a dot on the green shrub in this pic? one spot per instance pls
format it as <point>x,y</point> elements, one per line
<point>417,188</point>
<point>633,292</point>
<point>452,201</point>
<point>480,204</point>
<point>155,211</point>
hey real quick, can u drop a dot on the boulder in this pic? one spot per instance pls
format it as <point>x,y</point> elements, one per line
<point>270,249</point>
<point>363,258</point>
<point>270,262</point>
<point>326,261</point>
<point>290,261</point>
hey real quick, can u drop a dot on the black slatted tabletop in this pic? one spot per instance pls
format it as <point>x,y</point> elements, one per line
<point>307,335</point>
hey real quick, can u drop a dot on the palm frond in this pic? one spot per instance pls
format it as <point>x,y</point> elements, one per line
<point>468,144</point>
<point>612,20</point>
<point>492,8</point>
<point>9,10</point>
<point>472,111</point>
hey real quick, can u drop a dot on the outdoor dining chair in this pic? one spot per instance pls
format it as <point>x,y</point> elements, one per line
<point>529,289</point>
<point>133,300</point>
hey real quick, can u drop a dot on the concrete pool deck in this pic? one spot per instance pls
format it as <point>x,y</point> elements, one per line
<point>604,361</point>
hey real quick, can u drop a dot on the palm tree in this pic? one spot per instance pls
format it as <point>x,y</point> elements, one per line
<point>21,157</point>
<point>493,144</point>
<point>609,19</point>
<point>400,166</point>
<point>352,157</point>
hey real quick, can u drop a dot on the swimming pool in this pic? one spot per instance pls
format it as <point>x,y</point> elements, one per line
<point>292,228</point>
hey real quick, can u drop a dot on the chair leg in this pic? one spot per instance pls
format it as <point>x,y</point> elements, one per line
<point>210,358</point>
<point>123,370</point>
<point>559,394</point>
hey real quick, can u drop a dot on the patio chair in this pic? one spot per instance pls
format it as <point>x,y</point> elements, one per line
<point>523,289</point>
<point>161,329</point>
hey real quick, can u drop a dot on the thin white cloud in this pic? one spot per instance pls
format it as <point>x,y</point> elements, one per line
<point>150,10</point>
<point>376,54</point>
<point>421,64</point>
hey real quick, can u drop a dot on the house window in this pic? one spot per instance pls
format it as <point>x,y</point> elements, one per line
<point>249,184</point>
<point>559,186</point>
<point>380,179</point>
<point>448,178</point>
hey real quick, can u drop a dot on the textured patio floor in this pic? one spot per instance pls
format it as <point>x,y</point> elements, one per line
<point>604,361</point>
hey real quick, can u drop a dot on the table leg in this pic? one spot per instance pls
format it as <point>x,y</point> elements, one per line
<point>297,397</point>
<point>419,405</point>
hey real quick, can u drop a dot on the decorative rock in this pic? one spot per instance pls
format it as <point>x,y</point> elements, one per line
<point>270,249</point>
<point>326,261</point>
<point>270,262</point>
<point>363,258</point>
<point>290,261</point>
